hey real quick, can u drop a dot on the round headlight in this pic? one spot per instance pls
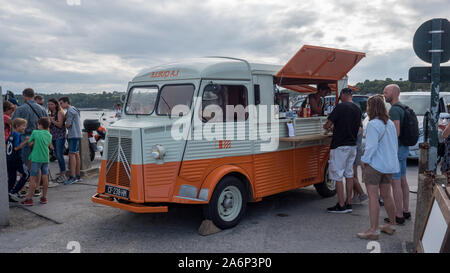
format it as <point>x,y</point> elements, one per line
<point>158,151</point>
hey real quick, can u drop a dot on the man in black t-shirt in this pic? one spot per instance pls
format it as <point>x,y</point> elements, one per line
<point>346,120</point>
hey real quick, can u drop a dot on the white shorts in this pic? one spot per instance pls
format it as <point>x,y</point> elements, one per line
<point>341,162</point>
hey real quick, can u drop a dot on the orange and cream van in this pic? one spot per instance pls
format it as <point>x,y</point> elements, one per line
<point>215,132</point>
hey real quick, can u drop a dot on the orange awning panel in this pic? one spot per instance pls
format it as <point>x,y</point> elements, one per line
<point>319,64</point>
<point>304,88</point>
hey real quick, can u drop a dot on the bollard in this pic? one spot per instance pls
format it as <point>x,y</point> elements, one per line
<point>4,204</point>
<point>85,159</point>
<point>423,157</point>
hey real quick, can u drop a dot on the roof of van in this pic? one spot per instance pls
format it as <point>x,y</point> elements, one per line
<point>207,67</point>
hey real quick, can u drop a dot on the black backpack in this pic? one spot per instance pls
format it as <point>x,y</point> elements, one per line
<point>409,131</point>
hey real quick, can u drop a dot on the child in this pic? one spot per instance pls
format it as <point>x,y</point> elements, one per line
<point>41,140</point>
<point>8,109</point>
<point>14,160</point>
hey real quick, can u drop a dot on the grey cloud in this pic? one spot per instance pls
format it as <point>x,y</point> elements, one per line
<point>145,33</point>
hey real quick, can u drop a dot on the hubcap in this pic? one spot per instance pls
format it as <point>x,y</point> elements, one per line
<point>230,203</point>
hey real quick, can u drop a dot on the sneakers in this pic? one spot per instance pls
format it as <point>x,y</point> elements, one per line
<point>37,193</point>
<point>43,200</point>
<point>363,197</point>
<point>407,215</point>
<point>358,199</point>
<point>340,209</point>
<point>398,220</point>
<point>22,194</point>
<point>14,198</point>
<point>78,178</point>
<point>60,179</point>
<point>27,202</point>
<point>348,207</point>
<point>71,180</point>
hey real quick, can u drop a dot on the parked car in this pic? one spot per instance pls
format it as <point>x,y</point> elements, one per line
<point>420,103</point>
<point>361,101</point>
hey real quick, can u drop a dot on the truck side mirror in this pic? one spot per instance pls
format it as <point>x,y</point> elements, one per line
<point>123,98</point>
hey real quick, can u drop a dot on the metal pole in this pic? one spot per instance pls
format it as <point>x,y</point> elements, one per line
<point>436,50</point>
<point>4,203</point>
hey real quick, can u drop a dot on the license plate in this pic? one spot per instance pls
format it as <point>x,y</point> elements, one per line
<point>116,191</point>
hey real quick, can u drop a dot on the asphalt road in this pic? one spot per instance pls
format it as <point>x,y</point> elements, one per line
<point>294,221</point>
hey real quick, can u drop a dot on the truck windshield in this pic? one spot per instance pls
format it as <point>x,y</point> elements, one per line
<point>141,100</point>
<point>174,95</point>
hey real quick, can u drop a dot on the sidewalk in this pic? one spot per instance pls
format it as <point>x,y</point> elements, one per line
<point>294,221</point>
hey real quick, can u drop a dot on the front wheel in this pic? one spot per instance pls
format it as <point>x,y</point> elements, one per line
<point>327,188</point>
<point>228,203</point>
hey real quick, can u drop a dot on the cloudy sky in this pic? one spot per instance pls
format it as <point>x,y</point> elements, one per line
<point>99,45</point>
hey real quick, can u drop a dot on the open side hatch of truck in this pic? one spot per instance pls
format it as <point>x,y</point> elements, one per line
<point>313,65</point>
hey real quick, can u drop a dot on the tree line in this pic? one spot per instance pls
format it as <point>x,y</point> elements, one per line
<point>107,100</point>
<point>104,100</point>
<point>377,86</point>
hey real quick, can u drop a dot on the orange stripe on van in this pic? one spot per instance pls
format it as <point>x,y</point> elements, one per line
<point>269,173</point>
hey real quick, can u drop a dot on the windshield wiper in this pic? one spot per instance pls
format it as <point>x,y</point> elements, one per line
<point>170,109</point>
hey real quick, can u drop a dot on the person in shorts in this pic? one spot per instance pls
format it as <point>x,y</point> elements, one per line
<point>379,163</point>
<point>73,125</point>
<point>14,162</point>
<point>41,141</point>
<point>346,121</point>
<point>358,192</point>
<point>400,187</point>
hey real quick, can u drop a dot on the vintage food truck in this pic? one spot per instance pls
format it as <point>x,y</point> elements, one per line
<point>208,153</point>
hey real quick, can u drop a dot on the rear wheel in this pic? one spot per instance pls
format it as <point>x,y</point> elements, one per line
<point>228,203</point>
<point>328,187</point>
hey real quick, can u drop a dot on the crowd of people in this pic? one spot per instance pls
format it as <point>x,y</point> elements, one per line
<point>31,133</point>
<point>383,162</point>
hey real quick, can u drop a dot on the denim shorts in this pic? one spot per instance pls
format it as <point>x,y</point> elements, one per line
<point>74,145</point>
<point>403,152</point>
<point>35,167</point>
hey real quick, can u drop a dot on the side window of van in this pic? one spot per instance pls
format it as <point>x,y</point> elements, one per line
<point>224,103</point>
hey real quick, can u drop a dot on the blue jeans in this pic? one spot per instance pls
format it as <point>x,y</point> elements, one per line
<point>59,153</point>
<point>403,152</point>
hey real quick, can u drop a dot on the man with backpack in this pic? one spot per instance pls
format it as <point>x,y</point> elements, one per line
<point>406,124</point>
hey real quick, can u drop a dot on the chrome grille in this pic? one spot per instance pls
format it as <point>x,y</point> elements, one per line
<point>118,165</point>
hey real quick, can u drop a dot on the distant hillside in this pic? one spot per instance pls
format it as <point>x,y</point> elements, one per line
<point>377,86</point>
<point>82,100</point>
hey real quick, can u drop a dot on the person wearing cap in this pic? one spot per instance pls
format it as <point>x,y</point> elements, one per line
<point>345,120</point>
<point>316,100</point>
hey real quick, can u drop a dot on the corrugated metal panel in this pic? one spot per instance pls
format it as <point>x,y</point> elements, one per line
<point>272,172</point>
<point>204,149</point>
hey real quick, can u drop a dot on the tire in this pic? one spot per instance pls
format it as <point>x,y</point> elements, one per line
<point>327,188</point>
<point>232,193</point>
